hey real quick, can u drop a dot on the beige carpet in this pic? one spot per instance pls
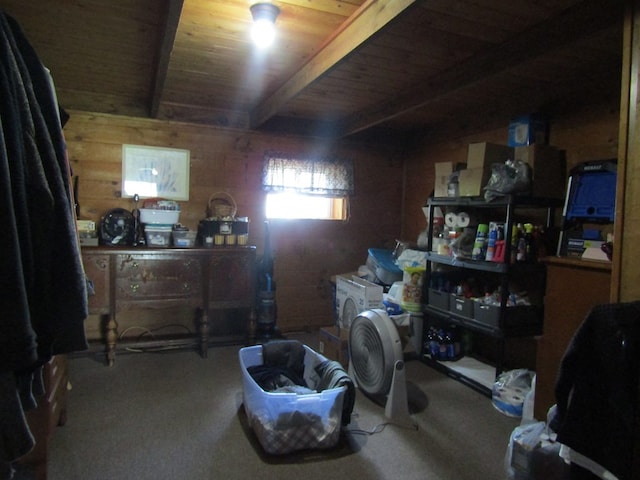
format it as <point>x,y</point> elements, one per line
<point>175,415</point>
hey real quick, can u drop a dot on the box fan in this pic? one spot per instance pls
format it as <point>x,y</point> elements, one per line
<point>376,363</point>
<point>117,227</point>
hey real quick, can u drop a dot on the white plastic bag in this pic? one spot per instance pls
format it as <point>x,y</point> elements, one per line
<point>523,441</point>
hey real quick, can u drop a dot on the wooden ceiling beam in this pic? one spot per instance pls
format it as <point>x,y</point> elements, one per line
<point>172,19</point>
<point>584,18</point>
<point>366,21</point>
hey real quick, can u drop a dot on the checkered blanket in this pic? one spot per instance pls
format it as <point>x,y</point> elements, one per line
<point>296,431</point>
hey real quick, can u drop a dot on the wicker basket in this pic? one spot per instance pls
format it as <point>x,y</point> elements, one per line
<point>221,205</point>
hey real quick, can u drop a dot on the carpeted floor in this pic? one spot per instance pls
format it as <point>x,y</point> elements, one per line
<point>174,415</point>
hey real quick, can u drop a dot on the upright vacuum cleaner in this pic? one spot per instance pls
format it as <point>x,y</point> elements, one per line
<point>266,328</point>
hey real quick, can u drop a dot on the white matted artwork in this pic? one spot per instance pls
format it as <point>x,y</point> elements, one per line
<point>155,172</point>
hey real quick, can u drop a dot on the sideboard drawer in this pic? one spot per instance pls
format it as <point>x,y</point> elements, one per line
<point>150,277</point>
<point>96,268</point>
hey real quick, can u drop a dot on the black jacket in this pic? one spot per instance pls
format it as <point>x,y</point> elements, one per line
<point>597,388</point>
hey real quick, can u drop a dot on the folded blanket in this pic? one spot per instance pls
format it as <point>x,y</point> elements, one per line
<point>333,375</point>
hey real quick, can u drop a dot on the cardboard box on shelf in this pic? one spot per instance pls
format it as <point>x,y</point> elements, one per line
<point>485,154</point>
<point>353,295</point>
<point>471,181</point>
<point>548,169</point>
<point>442,174</point>
<point>334,344</point>
<point>480,157</point>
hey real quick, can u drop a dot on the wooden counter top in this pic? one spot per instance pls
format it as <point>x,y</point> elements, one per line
<point>578,263</point>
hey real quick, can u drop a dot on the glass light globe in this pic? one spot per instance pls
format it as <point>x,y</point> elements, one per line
<point>263,33</point>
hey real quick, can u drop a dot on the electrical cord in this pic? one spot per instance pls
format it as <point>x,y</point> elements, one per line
<point>150,333</point>
<point>378,428</point>
<point>134,327</point>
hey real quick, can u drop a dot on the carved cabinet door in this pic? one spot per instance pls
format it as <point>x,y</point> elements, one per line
<point>232,279</point>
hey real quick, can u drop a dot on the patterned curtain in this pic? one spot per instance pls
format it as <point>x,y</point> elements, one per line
<point>318,176</point>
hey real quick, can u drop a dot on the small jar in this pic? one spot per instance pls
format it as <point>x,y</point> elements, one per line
<point>243,239</point>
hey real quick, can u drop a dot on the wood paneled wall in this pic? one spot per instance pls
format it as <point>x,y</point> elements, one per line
<point>386,205</point>
<point>307,253</point>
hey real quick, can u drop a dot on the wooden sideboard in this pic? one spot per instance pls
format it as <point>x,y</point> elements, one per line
<point>202,278</point>
<point>573,287</point>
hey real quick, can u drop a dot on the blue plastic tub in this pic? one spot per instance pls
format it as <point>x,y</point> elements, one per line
<point>285,422</point>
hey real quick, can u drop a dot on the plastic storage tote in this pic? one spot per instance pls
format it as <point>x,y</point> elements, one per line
<point>285,422</point>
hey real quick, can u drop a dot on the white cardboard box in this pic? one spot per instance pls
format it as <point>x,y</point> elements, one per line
<point>354,295</point>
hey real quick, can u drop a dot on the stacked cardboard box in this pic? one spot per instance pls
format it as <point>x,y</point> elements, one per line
<point>480,158</point>
<point>334,344</point>
<point>443,172</point>
<point>548,169</point>
<point>353,295</point>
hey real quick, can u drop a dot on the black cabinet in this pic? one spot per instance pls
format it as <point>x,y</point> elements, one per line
<point>499,321</point>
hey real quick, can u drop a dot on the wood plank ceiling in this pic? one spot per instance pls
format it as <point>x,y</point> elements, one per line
<point>368,68</point>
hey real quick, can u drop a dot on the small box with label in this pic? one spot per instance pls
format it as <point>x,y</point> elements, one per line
<point>528,129</point>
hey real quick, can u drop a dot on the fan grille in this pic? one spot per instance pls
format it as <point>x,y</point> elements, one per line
<point>372,349</point>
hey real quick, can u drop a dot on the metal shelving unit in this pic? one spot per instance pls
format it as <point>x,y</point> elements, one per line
<point>519,321</point>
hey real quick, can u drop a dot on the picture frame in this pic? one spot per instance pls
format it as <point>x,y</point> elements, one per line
<point>153,172</point>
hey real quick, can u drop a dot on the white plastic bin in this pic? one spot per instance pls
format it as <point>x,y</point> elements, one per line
<point>284,422</point>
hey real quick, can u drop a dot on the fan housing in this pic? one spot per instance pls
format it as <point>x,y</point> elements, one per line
<point>377,362</point>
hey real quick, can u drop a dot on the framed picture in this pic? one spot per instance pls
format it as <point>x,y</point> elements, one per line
<point>155,172</point>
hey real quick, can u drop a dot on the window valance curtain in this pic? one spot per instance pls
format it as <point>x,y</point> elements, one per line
<point>317,176</point>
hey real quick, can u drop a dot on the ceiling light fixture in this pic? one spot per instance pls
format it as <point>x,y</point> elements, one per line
<point>264,19</point>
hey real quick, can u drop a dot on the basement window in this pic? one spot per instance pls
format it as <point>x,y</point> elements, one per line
<point>307,188</point>
<point>295,205</point>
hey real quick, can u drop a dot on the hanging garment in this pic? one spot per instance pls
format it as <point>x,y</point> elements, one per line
<point>597,388</point>
<point>42,282</point>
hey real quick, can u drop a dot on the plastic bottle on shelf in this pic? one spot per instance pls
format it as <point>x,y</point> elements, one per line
<point>498,254</point>
<point>450,347</point>
<point>521,245</point>
<point>529,245</point>
<point>433,347</point>
<point>442,346</point>
<point>491,242</point>
<point>515,229</point>
<point>437,230</point>
<point>480,245</point>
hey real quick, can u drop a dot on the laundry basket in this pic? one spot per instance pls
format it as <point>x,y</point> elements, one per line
<point>285,422</point>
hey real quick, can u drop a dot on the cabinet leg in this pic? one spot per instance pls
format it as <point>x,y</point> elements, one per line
<point>63,417</point>
<point>204,334</point>
<point>112,338</point>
